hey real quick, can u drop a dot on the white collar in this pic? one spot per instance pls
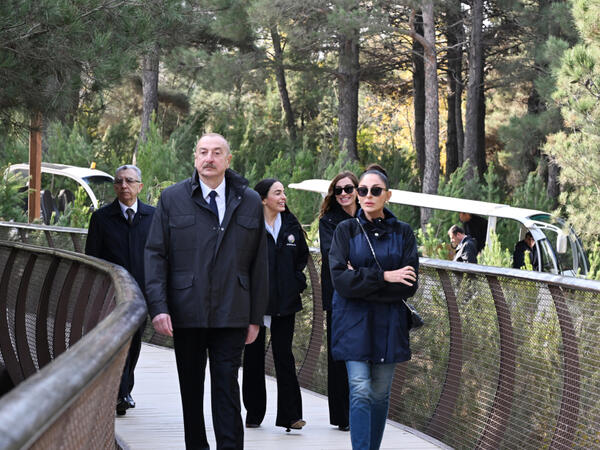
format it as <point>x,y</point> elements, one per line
<point>124,207</point>
<point>274,230</point>
<point>220,189</point>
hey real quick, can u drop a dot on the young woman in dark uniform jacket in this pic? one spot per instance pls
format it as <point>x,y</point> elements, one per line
<point>339,204</point>
<point>288,254</point>
<point>369,318</point>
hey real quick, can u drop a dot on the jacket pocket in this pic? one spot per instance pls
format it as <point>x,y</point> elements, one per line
<point>183,232</point>
<point>244,281</point>
<point>247,222</point>
<point>182,221</point>
<point>182,280</point>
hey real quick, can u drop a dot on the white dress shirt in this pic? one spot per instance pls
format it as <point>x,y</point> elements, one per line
<point>124,209</point>
<point>219,199</point>
<point>274,230</point>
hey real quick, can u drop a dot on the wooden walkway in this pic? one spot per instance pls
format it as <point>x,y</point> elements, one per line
<point>157,421</point>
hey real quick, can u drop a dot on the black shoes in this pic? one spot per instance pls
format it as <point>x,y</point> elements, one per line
<point>122,407</point>
<point>252,425</point>
<point>123,404</point>
<point>344,427</point>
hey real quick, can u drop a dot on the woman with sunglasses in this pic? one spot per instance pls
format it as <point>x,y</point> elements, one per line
<point>374,267</point>
<point>339,204</point>
<point>288,254</point>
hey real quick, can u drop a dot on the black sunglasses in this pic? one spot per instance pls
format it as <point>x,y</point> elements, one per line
<point>375,191</point>
<point>348,189</point>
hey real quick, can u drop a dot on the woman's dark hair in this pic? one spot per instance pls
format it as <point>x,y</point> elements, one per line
<point>376,169</point>
<point>263,186</point>
<point>329,201</point>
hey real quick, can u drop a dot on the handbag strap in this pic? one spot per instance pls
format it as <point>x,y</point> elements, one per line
<point>375,256</point>
<point>369,242</point>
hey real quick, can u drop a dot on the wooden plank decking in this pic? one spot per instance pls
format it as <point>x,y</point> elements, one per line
<point>157,420</point>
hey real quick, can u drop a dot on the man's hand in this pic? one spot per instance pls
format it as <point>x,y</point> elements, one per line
<point>162,324</point>
<point>252,333</point>
<point>405,275</point>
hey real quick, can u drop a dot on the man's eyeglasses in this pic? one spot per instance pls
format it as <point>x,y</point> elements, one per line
<point>348,189</point>
<point>126,180</point>
<point>375,191</point>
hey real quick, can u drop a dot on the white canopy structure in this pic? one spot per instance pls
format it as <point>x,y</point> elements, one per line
<point>565,257</point>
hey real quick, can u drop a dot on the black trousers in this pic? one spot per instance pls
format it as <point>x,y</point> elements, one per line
<point>338,394</point>
<point>127,379</point>
<point>289,398</point>
<point>224,347</point>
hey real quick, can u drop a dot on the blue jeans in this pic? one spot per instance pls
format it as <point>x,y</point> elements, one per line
<point>370,385</point>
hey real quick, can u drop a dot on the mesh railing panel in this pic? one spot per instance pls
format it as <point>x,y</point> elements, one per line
<point>85,424</point>
<point>79,311</point>
<point>507,358</point>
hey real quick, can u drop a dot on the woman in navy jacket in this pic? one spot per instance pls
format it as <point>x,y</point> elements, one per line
<point>369,318</point>
<point>288,254</point>
<point>339,204</point>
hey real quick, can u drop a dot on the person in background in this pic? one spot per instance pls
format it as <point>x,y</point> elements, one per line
<point>340,203</point>
<point>207,286</point>
<point>374,267</point>
<point>476,227</point>
<point>526,245</point>
<point>118,233</point>
<point>466,249</point>
<point>288,255</point>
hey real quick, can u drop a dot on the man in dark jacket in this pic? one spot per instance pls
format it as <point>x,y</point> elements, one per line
<point>526,245</point>
<point>207,285</point>
<point>466,250</point>
<point>117,233</point>
<point>475,227</point>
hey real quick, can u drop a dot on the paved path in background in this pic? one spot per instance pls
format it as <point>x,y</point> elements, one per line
<point>157,420</point>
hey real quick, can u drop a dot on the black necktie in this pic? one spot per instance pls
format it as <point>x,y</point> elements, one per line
<point>213,203</point>
<point>130,213</point>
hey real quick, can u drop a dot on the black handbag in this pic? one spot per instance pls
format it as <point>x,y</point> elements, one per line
<point>414,319</point>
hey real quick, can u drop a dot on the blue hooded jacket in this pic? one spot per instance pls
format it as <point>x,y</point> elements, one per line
<point>369,318</point>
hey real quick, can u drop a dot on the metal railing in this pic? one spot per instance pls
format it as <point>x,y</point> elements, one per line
<point>46,235</point>
<point>66,321</point>
<point>507,358</point>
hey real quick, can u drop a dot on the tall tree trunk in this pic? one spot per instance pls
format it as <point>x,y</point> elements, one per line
<point>290,122</point>
<point>432,148</point>
<point>348,82</point>
<point>481,162</point>
<point>535,105</point>
<point>453,54</point>
<point>419,97</point>
<point>553,186</point>
<point>451,143</point>
<point>150,93</point>
<point>473,88</point>
<point>458,73</point>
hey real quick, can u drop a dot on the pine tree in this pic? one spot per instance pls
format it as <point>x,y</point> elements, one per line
<point>577,149</point>
<point>52,51</point>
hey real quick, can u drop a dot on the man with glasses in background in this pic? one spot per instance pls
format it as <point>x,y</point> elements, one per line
<point>118,233</point>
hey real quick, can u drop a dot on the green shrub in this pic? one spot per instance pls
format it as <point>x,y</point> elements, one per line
<point>431,245</point>
<point>77,213</point>
<point>12,202</point>
<point>162,163</point>
<point>594,261</point>
<point>494,255</point>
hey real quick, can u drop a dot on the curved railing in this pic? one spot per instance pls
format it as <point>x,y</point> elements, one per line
<point>507,359</point>
<point>65,325</point>
<point>45,235</point>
